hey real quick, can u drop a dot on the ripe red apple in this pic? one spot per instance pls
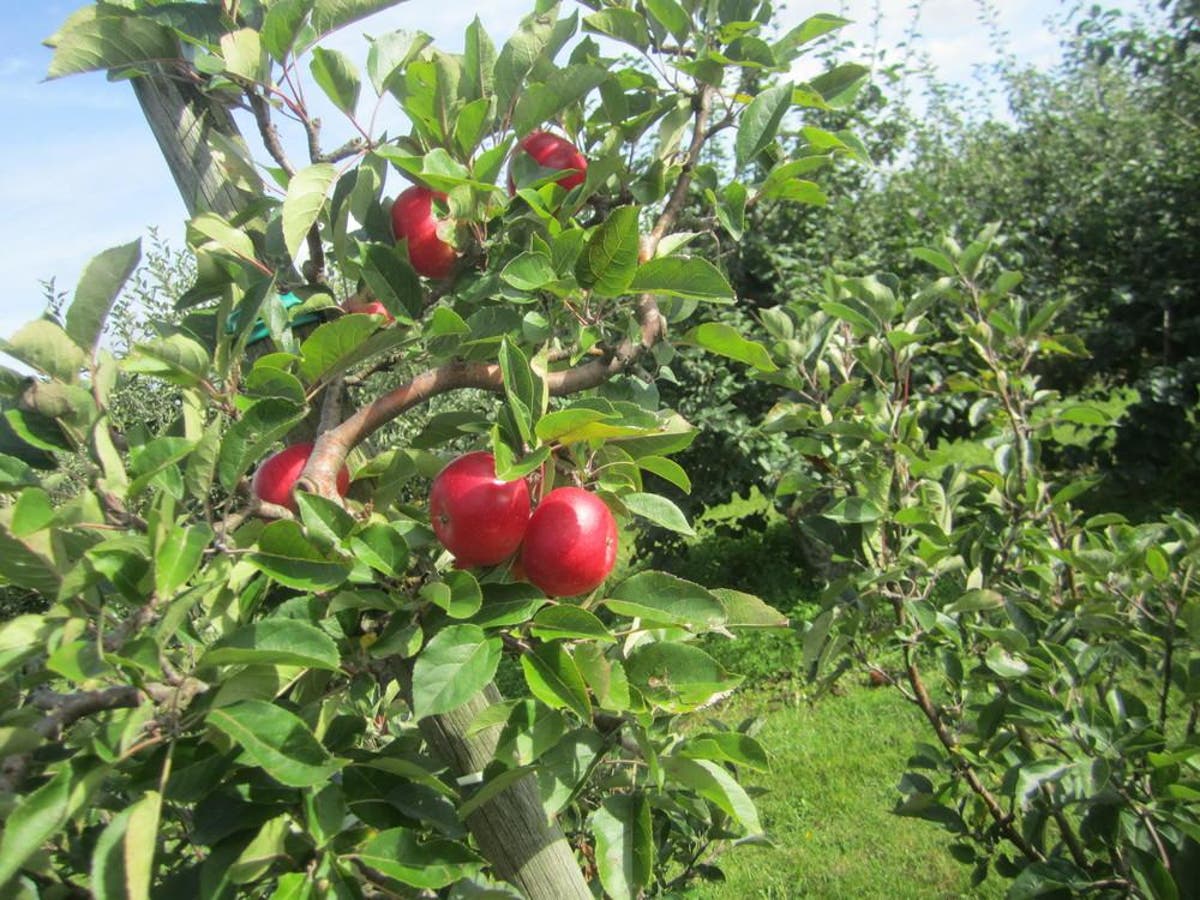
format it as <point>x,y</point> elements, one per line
<point>476,516</point>
<point>277,475</point>
<point>413,220</point>
<point>552,152</point>
<point>370,308</point>
<point>570,544</point>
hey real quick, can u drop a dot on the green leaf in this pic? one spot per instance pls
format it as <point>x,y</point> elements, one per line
<point>840,85</point>
<point>392,280</point>
<point>853,511</point>
<point>455,665</point>
<point>285,554</point>
<point>668,470</point>
<point>938,260</point>
<point>787,47</point>
<point>672,17</point>
<point>390,52</point>
<point>682,276</point>
<point>242,51</point>
<point>330,15</point>
<point>1004,663</point>
<point>334,346</point>
<point>479,60</point>
<point>277,741</point>
<point>43,813</point>
<point>141,838</point>
<point>338,77</point>
<point>728,746</point>
<point>677,677</point>
<point>724,340</point>
<point>716,785</point>
<point>567,622</point>
<point>274,642</point>
<point>398,853</point>
<point>250,438</point>
<point>747,611</point>
<point>178,557</point>
<point>381,547</point>
<point>666,600</point>
<point>622,25</point>
<point>609,260</point>
<point>22,636</point>
<point>659,510</point>
<point>554,679</point>
<point>760,121</point>
<point>43,345</point>
<point>624,835</point>
<point>302,205</point>
<point>324,520</point>
<point>459,595</point>
<point>518,56</point>
<point>529,271</point>
<point>99,285</point>
<point>176,358</point>
<point>282,26</point>
<point>32,512</point>
<point>93,39</point>
<point>541,103</point>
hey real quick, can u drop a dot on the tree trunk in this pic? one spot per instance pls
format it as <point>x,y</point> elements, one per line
<point>512,829</point>
<point>182,120</point>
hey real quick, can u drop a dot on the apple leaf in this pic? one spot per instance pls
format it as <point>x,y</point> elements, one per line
<point>330,15</point>
<point>338,78</point>
<point>99,285</point>
<point>302,205</point>
<point>715,784</point>
<point>672,17</point>
<point>554,679</point>
<point>724,340</point>
<point>677,677</point>
<point>398,853</point>
<point>458,662</point>
<point>659,510</point>
<point>570,623</point>
<point>760,122</point>
<point>285,554</point>
<point>274,642</point>
<point>787,47</point>
<point>624,835</point>
<point>622,25</point>
<point>391,51</point>
<point>540,103</point>
<point>277,741</point>
<point>178,557</point>
<point>609,260</point>
<point>93,39</point>
<point>682,276</point>
<point>747,611</point>
<point>43,345</point>
<point>666,600</point>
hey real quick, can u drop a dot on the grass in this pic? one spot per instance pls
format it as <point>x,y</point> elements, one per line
<point>827,807</point>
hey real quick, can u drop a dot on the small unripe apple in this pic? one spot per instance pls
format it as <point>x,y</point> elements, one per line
<point>552,152</point>
<point>275,479</point>
<point>413,220</point>
<point>570,545</point>
<point>370,308</point>
<point>475,515</point>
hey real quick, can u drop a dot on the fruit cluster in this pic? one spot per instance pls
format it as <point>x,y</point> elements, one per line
<point>413,214</point>
<point>567,546</point>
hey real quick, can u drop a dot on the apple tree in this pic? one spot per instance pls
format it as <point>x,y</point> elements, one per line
<point>286,689</point>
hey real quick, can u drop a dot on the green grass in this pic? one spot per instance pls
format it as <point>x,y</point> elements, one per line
<point>828,806</point>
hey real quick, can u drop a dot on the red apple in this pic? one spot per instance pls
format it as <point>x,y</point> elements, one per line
<point>413,220</point>
<point>276,477</point>
<point>476,516</point>
<point>571,543</point>
<point>552,152</point>
<point>370,308</point>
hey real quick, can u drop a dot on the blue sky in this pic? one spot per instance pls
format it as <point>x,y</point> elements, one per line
<point>80,171</point>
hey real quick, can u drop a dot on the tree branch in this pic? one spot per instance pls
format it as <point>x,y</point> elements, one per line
<point>332,447</point>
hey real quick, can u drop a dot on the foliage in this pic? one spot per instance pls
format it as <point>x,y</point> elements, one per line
<point>1064,752</point>
<point>220,697</point>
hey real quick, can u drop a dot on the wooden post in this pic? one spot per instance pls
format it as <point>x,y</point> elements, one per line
<point>512,829</point>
